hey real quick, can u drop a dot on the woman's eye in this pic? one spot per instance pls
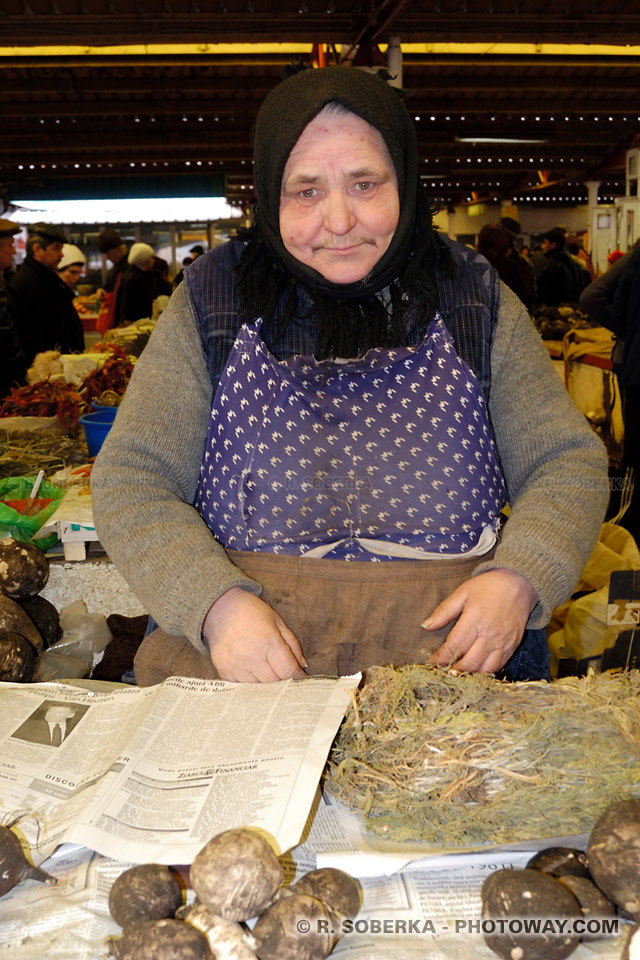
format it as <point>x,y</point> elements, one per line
<point>309,193</point>
<point>364,185</point>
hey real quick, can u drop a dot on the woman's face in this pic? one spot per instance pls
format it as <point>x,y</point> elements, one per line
<point>70,275</point>
<point>339,204</point>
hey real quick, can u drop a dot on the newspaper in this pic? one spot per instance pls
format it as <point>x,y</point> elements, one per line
<point>150,774</point>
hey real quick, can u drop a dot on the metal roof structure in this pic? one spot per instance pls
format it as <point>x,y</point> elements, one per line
<point>116,88</point>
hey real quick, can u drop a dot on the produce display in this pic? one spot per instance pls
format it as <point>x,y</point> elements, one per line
<point>54,398</point>
<point>564,885</point>
<point>47,398</point>
<point>112,376</point>
<point>236,877</point>
<point>133,337</point>
<point>458,760</point>
<point>552,323</point>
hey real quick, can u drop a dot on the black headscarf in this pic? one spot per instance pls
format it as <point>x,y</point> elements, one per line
<point>350,316</point>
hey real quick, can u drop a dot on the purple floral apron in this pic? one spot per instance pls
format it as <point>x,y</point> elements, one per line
<point>388,457</point>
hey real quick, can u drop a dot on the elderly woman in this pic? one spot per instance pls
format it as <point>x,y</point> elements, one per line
<point>310,464</point>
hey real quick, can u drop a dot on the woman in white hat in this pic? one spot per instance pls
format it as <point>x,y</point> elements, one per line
<point>140,285</point>
<point>71,266</point>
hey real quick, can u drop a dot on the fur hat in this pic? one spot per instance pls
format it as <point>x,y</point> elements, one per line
<point>70,255</point>
<point>109,240</point>
<point>139,254</point>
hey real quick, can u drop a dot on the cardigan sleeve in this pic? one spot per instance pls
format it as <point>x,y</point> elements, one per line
<point>145,477</point>
<point>555,467</point>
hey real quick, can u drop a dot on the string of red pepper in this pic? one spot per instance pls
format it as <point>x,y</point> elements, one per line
<point>45,399</point>
<point>113,375</point>
<point>65,401</point>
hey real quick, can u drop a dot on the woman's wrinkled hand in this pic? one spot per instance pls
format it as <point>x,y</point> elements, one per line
<point>492,611</point>
<point>249,642</point>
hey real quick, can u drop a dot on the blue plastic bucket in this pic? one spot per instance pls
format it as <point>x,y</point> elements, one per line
<point>99,407</point>
<point>96,427</point>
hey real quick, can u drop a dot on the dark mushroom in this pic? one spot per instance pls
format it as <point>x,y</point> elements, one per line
<point>614,855</point>
<point>593,903</point>
<point>549,908</point>
<point>236,874</point>
<point>336,888</point>
<point>299,927</point>
<point>24,569</point>
<point>160,940</point>
<point>17,658</point>
<point>149,891</point>
<point>560,862</point>
<point>14,866</point>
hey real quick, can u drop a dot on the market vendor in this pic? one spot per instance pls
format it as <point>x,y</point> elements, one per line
<point>310,463</point>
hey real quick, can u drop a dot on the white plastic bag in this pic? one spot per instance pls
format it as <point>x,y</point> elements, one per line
<point>84,638</point>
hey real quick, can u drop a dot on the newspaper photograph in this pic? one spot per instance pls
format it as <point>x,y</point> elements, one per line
<point>151,774</point>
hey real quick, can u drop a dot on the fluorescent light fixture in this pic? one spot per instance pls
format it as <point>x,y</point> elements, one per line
<point>166,210</point>
<point>500,140</point>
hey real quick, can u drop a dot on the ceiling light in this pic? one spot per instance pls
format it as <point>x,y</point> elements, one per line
<point>500,139</point>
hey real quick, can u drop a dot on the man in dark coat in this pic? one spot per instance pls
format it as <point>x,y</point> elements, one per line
<point>12,362</point>
<point>561,280</point>
<point>44,314</point>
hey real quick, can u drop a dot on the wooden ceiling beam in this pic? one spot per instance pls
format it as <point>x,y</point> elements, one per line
<point>424,25</point>
<point>477,82</point>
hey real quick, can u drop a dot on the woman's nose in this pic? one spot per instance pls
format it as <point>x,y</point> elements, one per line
<point>338,214</point>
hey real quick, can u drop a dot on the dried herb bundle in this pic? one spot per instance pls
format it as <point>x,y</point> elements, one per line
<point>23,453</point>
<point>465,760</point>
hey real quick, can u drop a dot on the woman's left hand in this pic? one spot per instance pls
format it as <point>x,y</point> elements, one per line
<point>493,609</point>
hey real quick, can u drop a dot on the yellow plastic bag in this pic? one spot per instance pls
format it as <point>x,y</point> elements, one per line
<point>579,627</point>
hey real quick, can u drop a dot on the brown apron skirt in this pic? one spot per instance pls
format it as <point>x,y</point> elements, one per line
<point>347,615</point>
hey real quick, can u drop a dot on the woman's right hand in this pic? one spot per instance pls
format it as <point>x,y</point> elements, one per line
<point>249,642</point>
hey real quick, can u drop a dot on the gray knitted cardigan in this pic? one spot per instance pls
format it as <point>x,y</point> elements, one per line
<point>145,477</point>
